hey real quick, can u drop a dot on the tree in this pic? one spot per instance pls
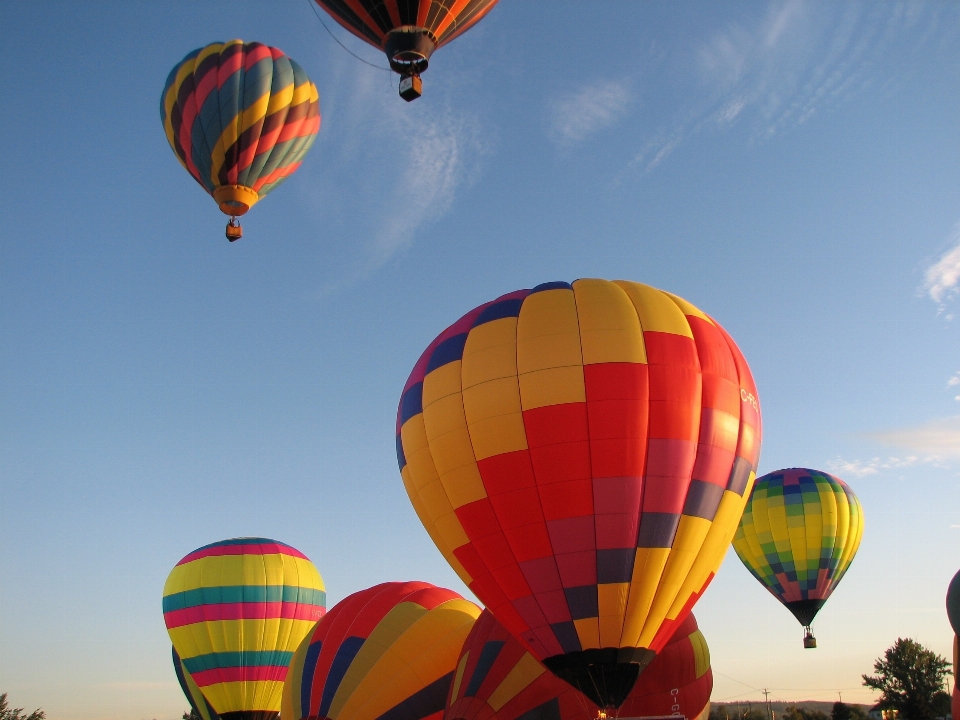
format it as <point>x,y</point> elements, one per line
<point>192,715</point>
<point>17,713</point>
<point>799,713</point>
<point>910,678</point>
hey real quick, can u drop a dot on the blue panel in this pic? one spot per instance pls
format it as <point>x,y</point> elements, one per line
<point>306,682</point>
<point>488,655</point>
<point>401,458</point>
<point>497,311</point>
<point>411,403</point>
<point>447,352</point>
<point>558,285</point>
<point>338,668</point>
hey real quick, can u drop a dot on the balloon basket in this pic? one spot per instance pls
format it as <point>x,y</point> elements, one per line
<point>411,87</point>
<point>234,230</point>
<point>809,641</point>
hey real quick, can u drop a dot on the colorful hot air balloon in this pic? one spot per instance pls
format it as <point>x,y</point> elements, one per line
<point>240,118</point>
<point>198,703</point>
<point>408,31</point>
<point>498,679</point>
<point>236,610</point>
<point>799,533</point>
<point>953,603</point>
<point>388,652</point>
<point>581,455</point>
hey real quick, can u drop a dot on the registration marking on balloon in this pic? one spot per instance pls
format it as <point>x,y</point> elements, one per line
<point>581,455</point>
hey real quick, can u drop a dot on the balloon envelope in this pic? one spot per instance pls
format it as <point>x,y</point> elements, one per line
<point>498,679</point>
<point>581,455</point>
<point>953,603</point>
<point>385,652</point>
<point>235,611</point>
<point>800,531</point>
<point>198,703</point>
<point>240,118</point>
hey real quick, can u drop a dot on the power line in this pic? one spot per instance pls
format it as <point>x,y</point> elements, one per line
<point>313,6</point>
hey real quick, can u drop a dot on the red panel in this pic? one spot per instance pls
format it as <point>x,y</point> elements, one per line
<point>617,494</point>
<point>572,534</point>
<point>577,568</point>
<point>552,424</point>
<point>468,557</point>
<point>486,587</point>
<point>529,542</point>
<point>567,499</point>
<point>615,381</point>
<point>617,530</point>
<point>478,519</point>
<point>721,393</point>
<point>617,418</point>
<point>669,349</point>
<point>511,581</point>
<point>712,349</point>
<point>508,471</point>
<point>679,421</point>
<point>554,606</point>
<point>517,508</point>
<point>612,458</point>
<point>542,574</point>
<point>668,457</point>
<point>529,609</point>
<point>494,551</point>
<point>713,464</point>
<point>675,384</point>
<point>556,463</point>
<point>665,494</point>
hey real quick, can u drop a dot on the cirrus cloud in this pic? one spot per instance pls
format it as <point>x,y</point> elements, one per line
<point>583,112</point>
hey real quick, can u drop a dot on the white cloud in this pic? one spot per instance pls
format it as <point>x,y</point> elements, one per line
<point>936,439</point>
<point>861,468</point>
<point>942,277</point>
<point>585,111</point>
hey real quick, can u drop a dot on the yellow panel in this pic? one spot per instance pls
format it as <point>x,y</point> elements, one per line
<point>498,435</point>
<point>688,308</point>
<point>494,417</point>
<point>519,678</point>
<point>231,635</point>
<point>548,334</point>
<point>490,352</point>
<point>444,416</point>
<point>715,546</point>
<point>612,599</point>
<point>657,312</point>
<point>434,499</point>
<point>439,383</point>
<point>552,387</point>
<point>458,676</point>
<point>394,624</point>
<point>423,654</point>
<point>413,435</point>
<point>701,653</point>
<point>452,450</point>
<point>451,530</point>
<point>691,533</point>
<point>463,485</point>
<point>588,630</point>
<point>491,399</point>
<point>648,567</point>
<point>609,327</point>
<point>237,696</point>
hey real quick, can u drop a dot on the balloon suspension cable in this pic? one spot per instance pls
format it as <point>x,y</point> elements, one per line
<point>313,5</point>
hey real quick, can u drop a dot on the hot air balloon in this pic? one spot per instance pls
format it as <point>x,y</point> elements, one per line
<point>498,679</point>
<point>198,703</point>
<point>581,455</point>
<point>408,31</point>
<point>235,611</point>
<point>240,118</point>
<point>953,603</point>
<point>386,652</point>
<point>799,533</point>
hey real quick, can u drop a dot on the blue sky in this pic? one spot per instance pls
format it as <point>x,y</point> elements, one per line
<point>792,168</point>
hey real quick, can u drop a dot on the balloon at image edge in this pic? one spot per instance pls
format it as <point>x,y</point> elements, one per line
<point>236,610</point>
<point>581,455</point>
<point>780,558</point>
<point>385,652</point>
<point>497,678</point>
<point>240,117</point>
<point>407,32</point>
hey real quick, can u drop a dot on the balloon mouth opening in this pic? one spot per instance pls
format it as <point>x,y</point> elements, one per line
<point>408,48</point>
<point>235,200</point>
<point>606,676</point>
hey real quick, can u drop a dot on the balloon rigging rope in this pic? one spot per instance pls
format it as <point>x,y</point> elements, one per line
<point>313,5</point>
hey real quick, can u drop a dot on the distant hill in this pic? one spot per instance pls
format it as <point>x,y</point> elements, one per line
<point>780,707</point>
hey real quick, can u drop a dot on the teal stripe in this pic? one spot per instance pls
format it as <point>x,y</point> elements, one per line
<point>244,593</point>
<point>249,658</point>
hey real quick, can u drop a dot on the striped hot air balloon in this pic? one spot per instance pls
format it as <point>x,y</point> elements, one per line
<point>581,455</point>
<point>198,703</point>
<point>240,118</point>
<point>498,679</point>
<point>387,652</point>
<point>236,611</point>
<point>800,531</point>
<point>407,31</point>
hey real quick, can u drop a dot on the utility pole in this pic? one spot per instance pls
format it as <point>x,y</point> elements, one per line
<point>766,696</point>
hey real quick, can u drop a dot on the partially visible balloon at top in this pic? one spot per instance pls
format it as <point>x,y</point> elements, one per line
<point>240,118</point>
<point>407,31</point>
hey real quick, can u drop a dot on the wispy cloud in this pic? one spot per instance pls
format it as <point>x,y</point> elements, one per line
<point>583,112</point>
<point>938,438</point>
<point>942,277</point>
<point>953,382</point>
<point>862,468</point>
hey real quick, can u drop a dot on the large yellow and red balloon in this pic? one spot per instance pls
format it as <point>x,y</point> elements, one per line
<point>240,118</point>
<point>385,652</point>
<point>236,610</point>
<point>498,679</point>
<point>581,455</point>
